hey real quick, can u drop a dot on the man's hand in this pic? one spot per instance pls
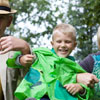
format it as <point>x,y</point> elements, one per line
<point>87,79</point>
<point>10,43</point>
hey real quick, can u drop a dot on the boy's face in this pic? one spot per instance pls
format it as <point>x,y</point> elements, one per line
<point>63,44</point>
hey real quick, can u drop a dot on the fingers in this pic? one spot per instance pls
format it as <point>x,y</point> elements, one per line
<point>2,39</point>
<point>91,85</point>
<point>4,48</point>
<point>26,60</point>
<point>91,82</point>
<point>87,79</point>
<point>71,89</point>
<point>95,79</point>
<point>29,58</point>
<point>10,43</point>
<point>5,51</point>
<point>5,45</point>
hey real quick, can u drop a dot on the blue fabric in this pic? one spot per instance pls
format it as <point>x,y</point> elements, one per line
<point>61,93</point>
<point>29,76</point>
<point>96,71</point>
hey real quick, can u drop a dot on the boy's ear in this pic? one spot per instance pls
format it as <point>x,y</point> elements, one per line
<point>52,43</point>
<point>9,21</point>
<point>75,44</point>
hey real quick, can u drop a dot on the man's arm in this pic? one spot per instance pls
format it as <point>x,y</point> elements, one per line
<point>87,79</point>
<point>10,43</point>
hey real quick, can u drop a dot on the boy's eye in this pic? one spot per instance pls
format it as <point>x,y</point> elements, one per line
<point>58,41</point>
<point>68,41</point>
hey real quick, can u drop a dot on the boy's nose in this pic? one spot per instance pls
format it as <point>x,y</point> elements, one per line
<point>63,44</point>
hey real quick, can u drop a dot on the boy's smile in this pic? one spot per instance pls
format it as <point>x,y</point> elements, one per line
<point>63,44</point>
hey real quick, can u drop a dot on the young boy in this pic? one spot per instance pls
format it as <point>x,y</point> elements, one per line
<point>92,65</point>
<point>56,72</point>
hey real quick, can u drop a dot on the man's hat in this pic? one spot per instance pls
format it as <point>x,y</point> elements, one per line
<point>5,7</point>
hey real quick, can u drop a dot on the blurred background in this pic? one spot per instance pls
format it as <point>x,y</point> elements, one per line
<point>35,20</point>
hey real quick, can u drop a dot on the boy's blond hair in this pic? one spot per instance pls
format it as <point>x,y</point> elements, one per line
<point>98,37</point>
<point>65,29</point>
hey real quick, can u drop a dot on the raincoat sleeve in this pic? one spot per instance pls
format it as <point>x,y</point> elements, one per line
<point>11,62</point>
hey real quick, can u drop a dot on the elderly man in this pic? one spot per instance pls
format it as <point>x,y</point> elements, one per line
<point>8,76</point>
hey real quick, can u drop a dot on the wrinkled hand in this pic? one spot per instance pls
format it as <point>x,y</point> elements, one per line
<point>10,43</point>
<point>27,60</point>
<point>73,88</point>
<point>87,79</point>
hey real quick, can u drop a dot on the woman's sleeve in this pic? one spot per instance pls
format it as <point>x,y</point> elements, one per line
<point>87,63</point>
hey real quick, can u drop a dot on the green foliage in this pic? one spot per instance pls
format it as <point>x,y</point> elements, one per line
<point>36,18</point>
<point>39,17</point>
<point>84,15</point>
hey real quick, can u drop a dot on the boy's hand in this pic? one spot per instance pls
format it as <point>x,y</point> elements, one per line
<point>73,88</point>
<point>27,60</point>
<point>10,43</point>
<point>87,79</point>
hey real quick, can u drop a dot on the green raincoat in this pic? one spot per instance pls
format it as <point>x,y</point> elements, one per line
<point>47,75</point>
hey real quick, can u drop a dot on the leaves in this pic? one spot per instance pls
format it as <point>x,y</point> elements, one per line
<point>35,18</point>
<point>84,18</point>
